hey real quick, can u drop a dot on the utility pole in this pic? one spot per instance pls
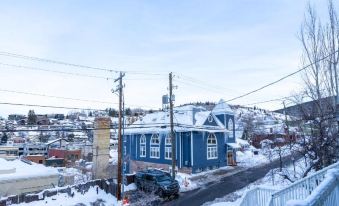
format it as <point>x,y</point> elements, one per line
<point>172,126</point>
<point>119,90</point>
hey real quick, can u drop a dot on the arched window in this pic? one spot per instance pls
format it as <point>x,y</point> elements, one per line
<point>143,146</point>
<point>155,139</point>
<point>155,146</point>
<point>212,146</point>
<point>230,127</point>
<point>168,147</point>
<point>168,140</point>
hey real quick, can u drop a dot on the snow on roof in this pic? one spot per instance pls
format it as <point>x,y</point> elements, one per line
<point>221,108</point>
<point>200,117</point>
<point>234,145</point>
<point>242,142</point>
<point>182,115</point>
<point>187,117</point>
<point>24,170</point>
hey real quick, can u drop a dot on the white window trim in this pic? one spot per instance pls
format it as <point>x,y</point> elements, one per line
<point>168,137</point>
<point>212,147</point>
<point>141,153</point>
<point>141,138</point>
<point>153,137</point>
<point>155,146</point>
<point>142,144</point>
<point>210,118</point>
<point>158,152</point>
<point>231,136</point>
<point>170,152</point>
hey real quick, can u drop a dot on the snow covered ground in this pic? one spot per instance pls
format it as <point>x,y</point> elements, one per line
<point>87,199</point>
<point>273,180</point>
<point>248,159</point>
<point>186,184</point>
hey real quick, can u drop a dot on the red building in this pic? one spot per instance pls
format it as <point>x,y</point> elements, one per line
<point>39,159</point>
<point>69,155</point>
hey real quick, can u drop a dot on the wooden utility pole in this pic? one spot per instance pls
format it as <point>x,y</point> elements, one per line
<point>120,90</point>
<point>172,126</point>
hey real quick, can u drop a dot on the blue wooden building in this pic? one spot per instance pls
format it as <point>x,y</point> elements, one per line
<point>203,140</point>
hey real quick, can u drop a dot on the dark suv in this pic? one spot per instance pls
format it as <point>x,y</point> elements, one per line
<point>158,181</point>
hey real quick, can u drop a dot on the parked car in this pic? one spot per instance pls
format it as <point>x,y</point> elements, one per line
<point>159,182</point>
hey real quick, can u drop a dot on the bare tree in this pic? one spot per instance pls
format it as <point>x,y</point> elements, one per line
<point>320,51</point>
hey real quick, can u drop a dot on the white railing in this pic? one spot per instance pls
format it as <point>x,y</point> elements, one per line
<point>257,196</point>
<point>326,194</point>
<point>296,191</point>
<point>300,189</point>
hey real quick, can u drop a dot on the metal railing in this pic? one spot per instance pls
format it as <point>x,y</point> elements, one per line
<point>327,193</point>
<point>257,196</point>
<point>300,189</point>
<point>296,191</point>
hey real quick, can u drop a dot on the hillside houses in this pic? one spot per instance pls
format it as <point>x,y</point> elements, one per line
<point>202,140</point>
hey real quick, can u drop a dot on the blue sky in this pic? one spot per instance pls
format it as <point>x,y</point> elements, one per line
<point>232,46</point>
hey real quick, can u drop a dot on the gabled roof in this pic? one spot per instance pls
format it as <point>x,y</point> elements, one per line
<point>182,115</point>
<point>222,108</point>
<point>189,116</point>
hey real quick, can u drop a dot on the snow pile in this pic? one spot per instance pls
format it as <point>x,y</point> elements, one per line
<point>24,170</point>
<point>248,159</point>
<point>185,183</point>
<point>79,177</point>
<point>130,187</point>
<point>87,199</point>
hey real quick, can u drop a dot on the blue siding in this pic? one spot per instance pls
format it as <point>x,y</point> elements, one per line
<point>186,149</point>
<point>200,161</point>
<point>221,118</point>
<point>184,141</point>
<point>212,123</point>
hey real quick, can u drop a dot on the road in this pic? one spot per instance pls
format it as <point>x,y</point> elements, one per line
<point>225,185</point>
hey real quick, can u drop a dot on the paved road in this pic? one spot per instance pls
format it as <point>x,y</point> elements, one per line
<point>225,186</point>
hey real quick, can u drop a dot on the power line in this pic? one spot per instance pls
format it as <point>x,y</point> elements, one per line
<point>206,84</point>
<point>20,56</point>
<point>200,86</point>
<point>57,97</point>
<point>54,61</point>
<point>54,71</point>
<point>76,73</point>
<point>48,106</point>
<point>282,78</point>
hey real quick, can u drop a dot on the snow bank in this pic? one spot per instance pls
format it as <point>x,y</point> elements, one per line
<point>24,170</point>
<point>248,159</point>
<point>88,198</point>
<point>130,187</point>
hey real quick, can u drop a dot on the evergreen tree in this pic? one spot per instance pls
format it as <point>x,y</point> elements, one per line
<point>128,111</point>
<point>32,118</point>
<point>4,138</point>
